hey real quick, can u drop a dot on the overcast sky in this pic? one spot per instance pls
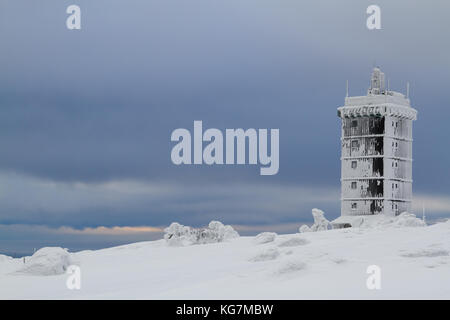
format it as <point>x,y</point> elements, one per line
<point>86,115</point>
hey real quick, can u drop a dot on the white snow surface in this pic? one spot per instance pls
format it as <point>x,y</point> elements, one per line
<point>414,263</point>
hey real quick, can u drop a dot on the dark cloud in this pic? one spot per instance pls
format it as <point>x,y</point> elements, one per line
<point>99,104</point>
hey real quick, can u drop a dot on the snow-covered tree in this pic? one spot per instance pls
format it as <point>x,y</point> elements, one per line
<point>320,222</point>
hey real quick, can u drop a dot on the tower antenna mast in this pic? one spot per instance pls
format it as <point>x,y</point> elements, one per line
<point>407,90</point>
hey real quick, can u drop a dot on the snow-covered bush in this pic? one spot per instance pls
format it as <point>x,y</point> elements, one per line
<point>47,261</point>
<point>265,237</point>
<point>219,232</point>
<point>179,235</point>
<point>320,223</point>
<point>304,228</point>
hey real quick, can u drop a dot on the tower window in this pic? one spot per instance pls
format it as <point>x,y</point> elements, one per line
<point>354,123</point>
<point>354,206</point>
<point>354,185</point>
<point>354,164</point>
<point>355,144</point>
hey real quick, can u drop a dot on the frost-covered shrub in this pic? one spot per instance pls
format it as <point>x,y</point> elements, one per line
<point>47,261</point>
<point>304,228</point>
<point>219,232</point>
<point>265,237</point>
<point>320,223</point>
<point>179,235</point>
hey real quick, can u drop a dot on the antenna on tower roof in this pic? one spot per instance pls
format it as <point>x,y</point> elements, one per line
<point>346,91</point>
<point>407,90</point>
<point>389,85</point>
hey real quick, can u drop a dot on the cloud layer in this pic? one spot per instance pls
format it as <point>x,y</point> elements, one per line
<point>86,116</point>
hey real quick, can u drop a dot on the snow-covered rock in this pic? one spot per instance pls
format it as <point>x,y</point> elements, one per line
<point>9,264</point>
<point>179,235</point>
<point>265,237</point>
<point>47,261</point>
<point>404,219</point>
<point>4,258</point>
<point>320,223</point>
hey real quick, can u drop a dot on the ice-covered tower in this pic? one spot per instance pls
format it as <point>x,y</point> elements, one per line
<point>376,159</point>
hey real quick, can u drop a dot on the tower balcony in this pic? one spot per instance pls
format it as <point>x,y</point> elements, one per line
<point>363,188</point>
<point>360,147</point>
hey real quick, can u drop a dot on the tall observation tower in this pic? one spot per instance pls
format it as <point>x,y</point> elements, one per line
<point>376,158</point>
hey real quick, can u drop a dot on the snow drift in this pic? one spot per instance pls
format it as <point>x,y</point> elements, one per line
<point>47,261</point>
<point>179,235</point>
<point>404,219</point>
<point>265,237</point>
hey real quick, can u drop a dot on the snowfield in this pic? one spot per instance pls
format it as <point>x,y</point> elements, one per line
<point>332,264</point>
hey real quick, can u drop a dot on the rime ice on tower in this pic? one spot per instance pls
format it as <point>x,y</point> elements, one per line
<point>376,159</point>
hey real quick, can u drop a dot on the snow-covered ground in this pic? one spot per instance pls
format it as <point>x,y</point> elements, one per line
<point>414,262</point>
